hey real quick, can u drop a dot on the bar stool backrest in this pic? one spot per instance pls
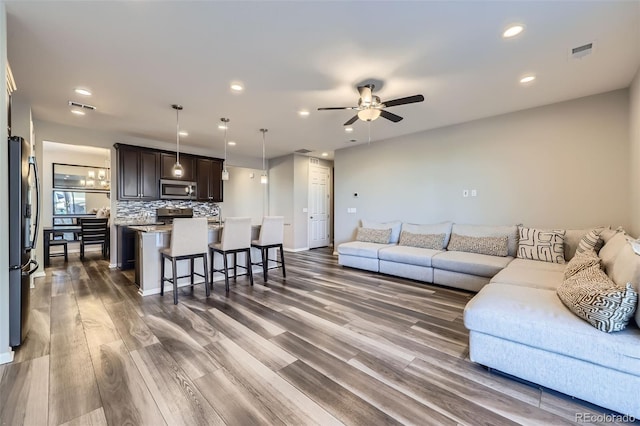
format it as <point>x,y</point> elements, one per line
<point>236,233</point>
<point>189,236</point>
<point>271,231</point>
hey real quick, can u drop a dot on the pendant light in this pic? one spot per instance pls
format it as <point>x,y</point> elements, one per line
<point>177,169</point>
<point>263,179</point>
<point>225,172</point>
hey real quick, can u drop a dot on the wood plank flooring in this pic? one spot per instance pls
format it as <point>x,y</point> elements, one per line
<point>328,345</point>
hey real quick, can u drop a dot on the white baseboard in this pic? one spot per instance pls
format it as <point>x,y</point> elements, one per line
<point>335,253</point>
<point>113,265</point>
<point>6,357</point>
<point>39,274</point>
<point>296,250</point>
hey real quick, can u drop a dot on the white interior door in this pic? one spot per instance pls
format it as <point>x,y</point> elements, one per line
<point>319,206</point>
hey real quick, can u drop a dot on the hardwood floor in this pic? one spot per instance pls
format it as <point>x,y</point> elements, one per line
<point>328,345</point>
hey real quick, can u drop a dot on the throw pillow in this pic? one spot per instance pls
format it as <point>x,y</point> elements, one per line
<point>591,241</point>
<point>493,246</point>
<point>581,261</point>
<point>546,246</point>
<point>368,235</point>
<point>429,241</point>
<point>395,228</point>
<point>594,297</point>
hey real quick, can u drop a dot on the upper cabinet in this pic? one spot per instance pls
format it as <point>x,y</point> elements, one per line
<point>188,163</point>
<point>209,179</point>
<point>138,177</point>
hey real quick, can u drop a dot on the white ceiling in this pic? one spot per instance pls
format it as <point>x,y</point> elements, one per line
<point>139,57</point>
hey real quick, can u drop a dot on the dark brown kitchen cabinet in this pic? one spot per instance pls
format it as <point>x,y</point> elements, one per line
<point>137,173</point>
<point>188,163</point>
<point>209,179</point>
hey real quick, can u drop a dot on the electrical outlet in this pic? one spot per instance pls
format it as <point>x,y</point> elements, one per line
<point>351,210</point>
<point>465,193</point>
<point>474,193</point>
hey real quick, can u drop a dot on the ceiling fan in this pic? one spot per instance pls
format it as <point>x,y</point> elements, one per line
<point>370,107</point>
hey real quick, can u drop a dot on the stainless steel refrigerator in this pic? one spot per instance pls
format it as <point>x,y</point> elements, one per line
<point>23,228</point>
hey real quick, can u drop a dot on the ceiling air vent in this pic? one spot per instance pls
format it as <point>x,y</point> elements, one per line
<point>303,151</point>
<point>83,106</point>
<point>580,52</point>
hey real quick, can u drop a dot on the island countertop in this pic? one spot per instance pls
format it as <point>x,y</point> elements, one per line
<point>167,228</point>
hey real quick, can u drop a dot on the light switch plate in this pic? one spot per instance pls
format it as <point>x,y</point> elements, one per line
<point>465,193</point>
<point>474,193</point>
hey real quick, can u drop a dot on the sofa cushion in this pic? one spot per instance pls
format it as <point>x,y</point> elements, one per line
<point>608,233</point>
<point>530,276</point>
<point>626,269</point>
<point>428,241</point>
<point>470,263</point>
<point>610,250</point>
<point>537,264</point>
<point>581,261</point>
<point>543,245</point>
<point>395,227</point>
<point>370,235</point>
<point>594,297</point>
<point>362,249</point>
<point>491,231</point>
<point>590,241</point>
<point>572,238</point>
<point>436,228</point>
<point>492,246</point>
<point>410,255</point>
<point>537,318</point>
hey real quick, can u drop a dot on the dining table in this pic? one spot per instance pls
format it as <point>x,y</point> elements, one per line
<point>49,231</point>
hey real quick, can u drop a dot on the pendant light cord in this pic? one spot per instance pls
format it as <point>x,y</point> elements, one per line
<point>263,150</point>
<point>177,136</point>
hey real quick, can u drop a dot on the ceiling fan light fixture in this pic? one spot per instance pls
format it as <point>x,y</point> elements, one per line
<point>369,114</point>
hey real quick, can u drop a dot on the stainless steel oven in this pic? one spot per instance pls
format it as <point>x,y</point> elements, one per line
<point>177,190</point>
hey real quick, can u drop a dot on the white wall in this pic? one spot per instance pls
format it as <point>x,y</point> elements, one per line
<point>281,195</point>
<point>244,196</point>
<point>634,157</point>
<point>5,350</point>
<point>563,165</point>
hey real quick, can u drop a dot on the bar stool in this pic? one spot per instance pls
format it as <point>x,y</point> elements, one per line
<point>189,239</point>
<point>59,242</point>
<point>236,238</point>
<point>271,236</point>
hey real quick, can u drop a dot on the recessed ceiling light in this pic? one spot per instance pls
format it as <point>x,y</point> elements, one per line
<point>237,87</point>
<point>231,143</point>
<point>512,31</point>
<point>527,79</point>
<point>303,113</point>
<point>324,154</point>
<point>348,129</point>
<point>77,112</point>
<point>222,126</point>
<point>183,133</point>
<point>83,92</point>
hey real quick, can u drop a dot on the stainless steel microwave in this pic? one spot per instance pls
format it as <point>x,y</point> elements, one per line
<point>177,190</point>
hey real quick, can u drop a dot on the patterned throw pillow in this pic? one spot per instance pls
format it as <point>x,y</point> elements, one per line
<point>591,241</point>
<point>581,261</point>
<point>546,246</point>
<point>594,297</point>
<point>493,246</point>
<point>368,235</point>
<point>428,241</point>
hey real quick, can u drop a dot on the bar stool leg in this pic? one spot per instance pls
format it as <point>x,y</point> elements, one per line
<point>175,281</point>
<point>249,266</point>
<point>265,262</point>
<point>162,276</point>
<point>284,271</point>
<point>207,290</point>
<point>66,252</point>
<point>191,271</point>
<point>235,266</point>
<point>226,273</point>
<point>212,257</point>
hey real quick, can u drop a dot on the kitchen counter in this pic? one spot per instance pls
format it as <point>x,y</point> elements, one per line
<point>153,238</point>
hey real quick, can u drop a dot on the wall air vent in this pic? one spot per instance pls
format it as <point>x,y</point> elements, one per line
<point>303,151</point>
<point>83,106</point>
<point>581,51</point>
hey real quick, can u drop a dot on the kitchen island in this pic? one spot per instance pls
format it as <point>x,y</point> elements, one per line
<point>152,238</point>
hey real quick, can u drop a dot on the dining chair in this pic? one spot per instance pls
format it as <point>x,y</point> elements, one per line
<point>57,239</point>
<point>189,241</point>
<point>271,236</point>
<point>236,238</point>
<point>94,231</point>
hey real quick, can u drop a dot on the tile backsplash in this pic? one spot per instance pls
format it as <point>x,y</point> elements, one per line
<point>127,211</point>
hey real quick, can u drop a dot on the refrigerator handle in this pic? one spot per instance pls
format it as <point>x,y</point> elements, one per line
<point>32,162</point>
<point>34,267</point>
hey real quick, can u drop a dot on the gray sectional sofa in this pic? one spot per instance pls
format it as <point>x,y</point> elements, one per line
<point>517,324</point>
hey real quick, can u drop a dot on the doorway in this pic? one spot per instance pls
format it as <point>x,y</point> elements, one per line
<point>319,204</point>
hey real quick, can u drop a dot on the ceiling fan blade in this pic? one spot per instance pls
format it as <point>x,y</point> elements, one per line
<point>403,101</point>
<point>353,120</point>
<point>390,116</point>
<point>333,108</point>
